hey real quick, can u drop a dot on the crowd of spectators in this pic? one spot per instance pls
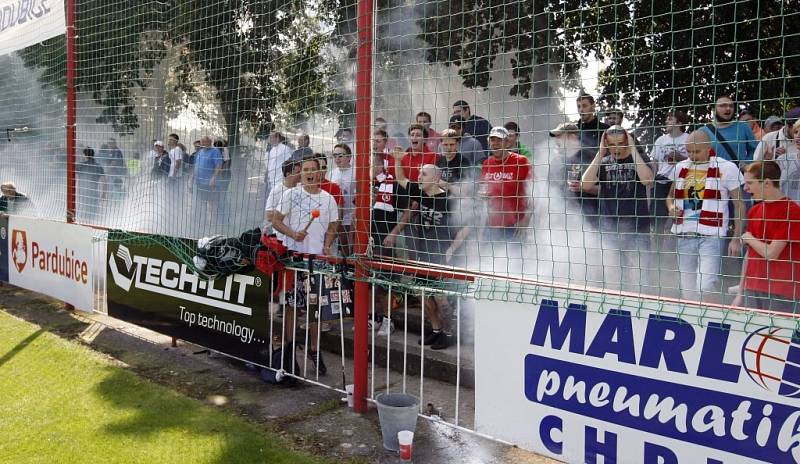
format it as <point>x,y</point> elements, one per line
<point>699,193</point>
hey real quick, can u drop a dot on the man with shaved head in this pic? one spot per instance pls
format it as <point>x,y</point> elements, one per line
<point>437,238</point>
<point>703,187</point>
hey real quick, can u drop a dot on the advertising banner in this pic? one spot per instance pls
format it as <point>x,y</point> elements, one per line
<point>646,383</point>
<point>53,258</point>
<point>27,22</point>
<point>149,286</point>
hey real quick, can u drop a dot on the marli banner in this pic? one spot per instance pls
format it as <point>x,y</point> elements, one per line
<point>53,258</point>
<point>149,286</point>
<point>27,22</point>
<point>647,383</point>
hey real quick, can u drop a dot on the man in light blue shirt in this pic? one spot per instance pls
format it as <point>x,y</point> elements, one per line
<point>731,140</point>
<point>207,167</point>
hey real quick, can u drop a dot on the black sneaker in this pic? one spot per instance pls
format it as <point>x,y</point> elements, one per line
<point>442,341</point>
<point>430,337</point>
<point>320,366</point>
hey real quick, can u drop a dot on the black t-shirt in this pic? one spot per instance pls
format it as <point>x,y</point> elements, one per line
<point>433,218</point>
<point>455,170</point>
<point>591,133</point>
<point>623,198</point>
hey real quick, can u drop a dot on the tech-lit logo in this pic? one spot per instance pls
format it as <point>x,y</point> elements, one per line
<point>771,357</point>
<point>19,247</point>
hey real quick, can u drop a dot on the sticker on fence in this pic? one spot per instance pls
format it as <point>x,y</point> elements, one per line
<point>51,258</point>
<point>573,382</point>
<point>150,287</point>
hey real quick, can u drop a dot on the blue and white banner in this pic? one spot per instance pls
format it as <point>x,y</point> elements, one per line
<point>27,22</point>
<point>646,383</point>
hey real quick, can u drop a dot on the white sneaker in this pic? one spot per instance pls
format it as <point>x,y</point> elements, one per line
<point>385,329</point>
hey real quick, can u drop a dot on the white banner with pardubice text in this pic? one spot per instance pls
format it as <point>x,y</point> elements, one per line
<point>53,258</point>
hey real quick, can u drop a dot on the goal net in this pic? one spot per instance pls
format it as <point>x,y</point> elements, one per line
<point>597,144</point>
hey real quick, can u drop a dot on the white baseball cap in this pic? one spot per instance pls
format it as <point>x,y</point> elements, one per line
<point>158,143</point>
<point>499,132</point>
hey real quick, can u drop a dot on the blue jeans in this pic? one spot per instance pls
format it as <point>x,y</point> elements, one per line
<point>699,263</point>
<point>627,260</point>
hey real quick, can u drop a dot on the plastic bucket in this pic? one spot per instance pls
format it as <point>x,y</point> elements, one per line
<point>396,412</point>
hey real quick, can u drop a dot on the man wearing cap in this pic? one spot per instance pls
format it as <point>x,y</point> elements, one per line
<point>576,159</point>
<point>503,182</point>
<point>475,126</point>
<point>590,126</point>
<point>772,124</point>
<point>469,147</point>
<point>782,147</point>
<point>621,176</point>
<point>731,140</point>
<point>777,143</point>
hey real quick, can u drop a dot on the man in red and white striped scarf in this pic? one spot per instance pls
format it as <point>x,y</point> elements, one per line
<point>703,185</point>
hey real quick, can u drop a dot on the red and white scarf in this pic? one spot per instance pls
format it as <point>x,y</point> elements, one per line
<point>713,218</point>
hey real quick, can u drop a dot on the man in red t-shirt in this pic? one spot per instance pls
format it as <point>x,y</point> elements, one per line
<point>504,177</point>
<point>417,154</point>
<point>771,270</point>
<point>433,139</point>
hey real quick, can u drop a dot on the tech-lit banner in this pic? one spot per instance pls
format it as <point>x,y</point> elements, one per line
<point>149,286</point>
<point>639,385</point>
<point>53,258</point>
<point>27,22</point>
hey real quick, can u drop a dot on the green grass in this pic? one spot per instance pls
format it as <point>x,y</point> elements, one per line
<point>63,403</point>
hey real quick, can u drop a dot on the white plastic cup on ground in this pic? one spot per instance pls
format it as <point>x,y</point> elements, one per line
<point>406,439</point>
<point>349,389</point>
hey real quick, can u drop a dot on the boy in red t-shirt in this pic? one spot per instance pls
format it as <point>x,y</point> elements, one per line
<point>772,266</point>
<point>504,177</point>
<point>417,154</point>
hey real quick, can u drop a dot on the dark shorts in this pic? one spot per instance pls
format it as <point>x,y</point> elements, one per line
<point>382,223</point>
<point>767,302</point>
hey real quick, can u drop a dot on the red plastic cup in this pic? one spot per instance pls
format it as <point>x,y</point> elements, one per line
<point>406,439</point>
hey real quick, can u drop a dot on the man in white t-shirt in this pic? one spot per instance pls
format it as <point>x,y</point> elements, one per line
<point>175,156</point>
<point>781,146</point>
<point>343,175</point>
<point>277,154</point>
<point>668,150</point>
<point>291,177</point>
<point>703,186</point>
<point>308,217</point>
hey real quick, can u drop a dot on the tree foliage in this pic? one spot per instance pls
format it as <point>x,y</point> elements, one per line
<point>256,55</point>
<point>661,54</point>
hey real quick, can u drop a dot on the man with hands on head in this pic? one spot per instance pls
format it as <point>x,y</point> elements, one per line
<point>621,175</point>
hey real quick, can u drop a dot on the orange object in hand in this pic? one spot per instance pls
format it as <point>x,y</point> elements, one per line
<point>314,215</point>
